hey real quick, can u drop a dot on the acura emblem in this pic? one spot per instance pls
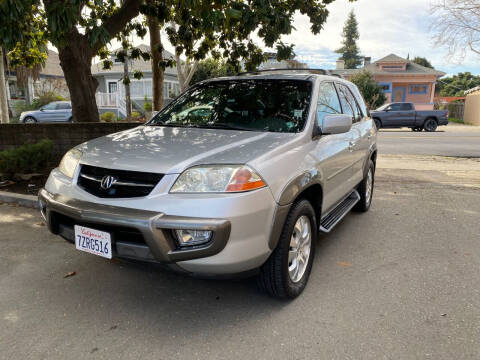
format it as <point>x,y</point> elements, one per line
<point>108,181</point>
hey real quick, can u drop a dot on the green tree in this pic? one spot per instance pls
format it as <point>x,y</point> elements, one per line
<point>81,29</point>
<point>371,92</point>
<point>212,68</point>
<point>422,61</point>
<point>456,85</point>
<point>350,51</point>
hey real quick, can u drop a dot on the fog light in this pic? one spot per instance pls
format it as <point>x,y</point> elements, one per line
<point>193,237</point>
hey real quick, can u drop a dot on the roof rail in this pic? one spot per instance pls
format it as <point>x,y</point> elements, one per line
<point>313,71</point>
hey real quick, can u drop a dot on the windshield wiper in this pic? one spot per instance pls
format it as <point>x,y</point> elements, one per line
<point>226,126</point>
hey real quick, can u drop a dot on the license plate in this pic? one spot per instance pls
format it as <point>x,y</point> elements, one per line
<point>93,241</point>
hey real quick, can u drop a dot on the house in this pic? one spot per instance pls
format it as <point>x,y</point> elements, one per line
<point>110,94</point>
<point>400,79</point>
<point>51,79</point>
<point>472,106</point>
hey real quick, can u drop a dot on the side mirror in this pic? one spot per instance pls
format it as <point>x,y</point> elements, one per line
<point>387,109</point>
<point>336,124</point>
<point>42,109</point>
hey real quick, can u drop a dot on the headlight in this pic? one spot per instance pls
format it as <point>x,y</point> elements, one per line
<point>69,163</point>
<point>217,179</point>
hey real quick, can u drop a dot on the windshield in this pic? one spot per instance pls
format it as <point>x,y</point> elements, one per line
<point>383,107</point>
<point>251,105</point>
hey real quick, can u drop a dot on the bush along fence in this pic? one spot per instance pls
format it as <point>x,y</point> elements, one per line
<point>63,137</point>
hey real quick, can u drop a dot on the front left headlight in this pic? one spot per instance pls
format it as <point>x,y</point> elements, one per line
<point>69,162</point>
<point>217,179</point>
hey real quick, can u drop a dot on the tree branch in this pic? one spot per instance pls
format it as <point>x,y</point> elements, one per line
<point>117,22</point>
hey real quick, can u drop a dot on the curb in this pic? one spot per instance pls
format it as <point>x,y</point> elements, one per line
<point>30,201</point>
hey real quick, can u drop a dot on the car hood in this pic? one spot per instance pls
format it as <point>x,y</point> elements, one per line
<point>172,150</point>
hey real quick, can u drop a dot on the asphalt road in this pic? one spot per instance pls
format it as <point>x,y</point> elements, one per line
<point>451,140</point>
<point>399,282</point>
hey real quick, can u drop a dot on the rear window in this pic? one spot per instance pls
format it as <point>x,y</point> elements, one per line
<point>250,105</point>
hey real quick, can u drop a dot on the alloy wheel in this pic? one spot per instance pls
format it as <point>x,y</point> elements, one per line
<point>300,247</point>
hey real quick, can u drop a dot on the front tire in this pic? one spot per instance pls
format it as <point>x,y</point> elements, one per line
<point>29,120</point>
<point>286,272</point>
<point>378,124</point>
<point>365,189</point>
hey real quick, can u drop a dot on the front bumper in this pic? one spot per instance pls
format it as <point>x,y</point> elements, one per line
<point>156,229</point>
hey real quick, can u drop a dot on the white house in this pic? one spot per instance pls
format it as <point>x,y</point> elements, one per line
<point>110,94</point>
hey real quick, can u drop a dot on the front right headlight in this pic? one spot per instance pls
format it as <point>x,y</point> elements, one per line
<point>69,162</point>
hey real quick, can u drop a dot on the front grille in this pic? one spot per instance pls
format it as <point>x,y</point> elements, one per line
<point>126,184</point>
<point>118,233</point>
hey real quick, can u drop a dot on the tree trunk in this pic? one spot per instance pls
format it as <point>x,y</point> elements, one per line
<point>185,73</point>
<point>3,92</point>
<point>75,60</point>
<point>126,82</point>
<point>157,57</point>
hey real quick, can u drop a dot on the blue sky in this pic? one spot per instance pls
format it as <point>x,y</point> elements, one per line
<point>401,27</point>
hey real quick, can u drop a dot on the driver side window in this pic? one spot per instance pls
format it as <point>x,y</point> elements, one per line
<point>51,106</point>
<point>328,102</point>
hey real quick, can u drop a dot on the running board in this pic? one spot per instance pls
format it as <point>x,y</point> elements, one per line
<point>329,221</point>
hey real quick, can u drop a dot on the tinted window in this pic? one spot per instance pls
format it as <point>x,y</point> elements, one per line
<point>360,101</point>
<point>63,106</point>
<point>406,107</point>
<point>349,105</point>
<point>395,107</point>
<point>327,102</point>
<point>255,105</point>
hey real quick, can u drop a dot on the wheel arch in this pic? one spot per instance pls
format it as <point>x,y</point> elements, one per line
<point>313,192</point>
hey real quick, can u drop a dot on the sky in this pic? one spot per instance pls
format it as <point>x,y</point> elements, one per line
<point>401,27</point>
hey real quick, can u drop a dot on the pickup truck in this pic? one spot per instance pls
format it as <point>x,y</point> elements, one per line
<point>396,115</point>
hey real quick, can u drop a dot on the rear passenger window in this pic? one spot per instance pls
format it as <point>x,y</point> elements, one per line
<point>63,106</point>
<point>328,102</point>
<point>406,107</point>
<point>349,105</point>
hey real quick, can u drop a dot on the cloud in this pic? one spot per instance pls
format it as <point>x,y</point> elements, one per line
<point>386,26</point>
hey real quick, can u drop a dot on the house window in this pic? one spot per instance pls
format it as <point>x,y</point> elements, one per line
<point>112,87</point>
<point>418,89</point>
<point>392,67</point>
<point>386,87</point>
<point>136,90</point>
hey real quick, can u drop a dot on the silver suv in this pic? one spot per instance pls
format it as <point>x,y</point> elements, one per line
<point>236,176</point>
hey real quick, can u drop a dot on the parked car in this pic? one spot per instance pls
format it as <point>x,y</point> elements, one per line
<point>282,158</point>
<point>396,115</point>
<point>57,111</point>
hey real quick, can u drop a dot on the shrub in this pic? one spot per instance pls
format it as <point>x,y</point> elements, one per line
<point>136,116</point>
<point>371,91</point>
<point>28,158</point>
<point>46,98</point>
<point>147,106</point>
<point>108,116</point>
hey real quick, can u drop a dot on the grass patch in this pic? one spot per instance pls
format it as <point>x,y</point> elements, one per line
<point>455,120</point>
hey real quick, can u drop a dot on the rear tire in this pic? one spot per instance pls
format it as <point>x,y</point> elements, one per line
<point>430,125</point>
<point>365,189</point>
<point>286,272</point>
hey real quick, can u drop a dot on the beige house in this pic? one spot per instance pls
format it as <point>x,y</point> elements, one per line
<point>472,107</point>
<point>400,79</point>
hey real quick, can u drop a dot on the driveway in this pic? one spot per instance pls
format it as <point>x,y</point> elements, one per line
<point>399,282</point>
